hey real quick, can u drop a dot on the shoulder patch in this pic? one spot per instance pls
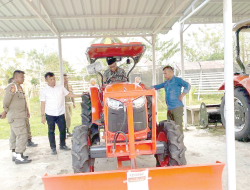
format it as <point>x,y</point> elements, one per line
<point>13,89</point>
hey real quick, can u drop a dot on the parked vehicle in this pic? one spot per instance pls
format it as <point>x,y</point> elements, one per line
<point>125,113</point>
<point>241,90</point>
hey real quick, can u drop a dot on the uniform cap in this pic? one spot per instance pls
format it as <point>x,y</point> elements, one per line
<point>110,60</point>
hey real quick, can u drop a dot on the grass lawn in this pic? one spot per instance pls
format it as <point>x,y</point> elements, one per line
<point>38,129</point>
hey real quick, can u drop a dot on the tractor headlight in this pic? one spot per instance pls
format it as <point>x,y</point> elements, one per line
<point>114,104</point>
<point>139,102</point>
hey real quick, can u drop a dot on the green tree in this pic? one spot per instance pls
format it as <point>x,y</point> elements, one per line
<point>164,49</point>
<point>10,63</point>
<point>205,45</point>
<point>46,61</point>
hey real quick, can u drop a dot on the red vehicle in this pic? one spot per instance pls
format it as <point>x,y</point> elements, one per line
<point>241,91</point>
<point>125,113</point>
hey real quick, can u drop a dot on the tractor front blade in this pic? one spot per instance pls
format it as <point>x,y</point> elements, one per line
<point>193,177</point>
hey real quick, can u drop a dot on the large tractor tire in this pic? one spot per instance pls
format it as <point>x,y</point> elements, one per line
<point>174,154</point>
<point>241,113</point>
<point>86,109</point>
<point>80,149</point>
<point>87,119</point>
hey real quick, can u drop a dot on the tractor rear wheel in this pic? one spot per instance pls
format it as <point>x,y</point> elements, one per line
<point>80,149</point>
<point>80,145</point>
<point>86,109</point>
<point>87,119</point>
<point>241,114</point>
<point>174,154</point>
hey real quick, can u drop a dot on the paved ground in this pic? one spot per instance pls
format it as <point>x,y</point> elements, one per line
<point>203,146</point>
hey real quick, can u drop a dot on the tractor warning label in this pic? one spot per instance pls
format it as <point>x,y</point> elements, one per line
<point>137,180</point>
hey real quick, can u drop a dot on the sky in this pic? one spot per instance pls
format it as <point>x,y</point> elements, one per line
<point>73,50</point>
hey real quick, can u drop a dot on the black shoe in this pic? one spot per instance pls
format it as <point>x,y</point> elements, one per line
<point>20,159</point>
<point>53,151</point>
<point>14,158</point>
<point>65,148</point>
<point>31,144</point>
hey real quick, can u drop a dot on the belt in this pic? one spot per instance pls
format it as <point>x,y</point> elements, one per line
<point>68,102</point>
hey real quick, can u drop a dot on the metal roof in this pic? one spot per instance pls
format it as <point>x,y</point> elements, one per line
<point>22,19</point>
<point>212,11</point>
<point>87,18</point>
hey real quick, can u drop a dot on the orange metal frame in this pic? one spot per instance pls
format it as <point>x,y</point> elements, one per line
<point>96,107</point>
<point>134,147</point>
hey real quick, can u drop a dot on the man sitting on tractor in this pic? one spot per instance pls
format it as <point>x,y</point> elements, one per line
<point>113,73</point>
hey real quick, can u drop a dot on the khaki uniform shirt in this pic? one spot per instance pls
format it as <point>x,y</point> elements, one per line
<point>70,89</point>
<point>14,102</point>
<point>117,74</point>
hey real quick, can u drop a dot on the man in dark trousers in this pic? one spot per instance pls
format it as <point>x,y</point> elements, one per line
<point>52,109</point>
<point>174,95</point>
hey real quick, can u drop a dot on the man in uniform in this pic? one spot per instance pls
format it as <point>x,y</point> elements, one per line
<point>113,73</point>
<point>15,107</point>
<point>10,80</point>
<point>30,143</point>
<point>69,102</point>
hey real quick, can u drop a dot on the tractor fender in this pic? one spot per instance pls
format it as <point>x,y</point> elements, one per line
<point>239,80</point>
<point>246,84</point>
<point>96,103</point>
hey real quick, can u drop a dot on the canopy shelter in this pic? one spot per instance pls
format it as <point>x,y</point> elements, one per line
<point>57,19</point>
<point>28,19</point>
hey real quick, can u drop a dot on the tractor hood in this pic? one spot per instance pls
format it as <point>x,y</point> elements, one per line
<point>122,87</point>
<point>134,50</point>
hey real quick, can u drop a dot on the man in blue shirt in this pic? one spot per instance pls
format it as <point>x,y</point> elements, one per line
<point>173,94</point>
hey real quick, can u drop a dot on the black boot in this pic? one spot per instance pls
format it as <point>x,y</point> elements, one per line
<point>31,144</point>
<point>14,156</point>
<point>20,159</point>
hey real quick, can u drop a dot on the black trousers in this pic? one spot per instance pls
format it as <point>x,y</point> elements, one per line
<point>61,123</point>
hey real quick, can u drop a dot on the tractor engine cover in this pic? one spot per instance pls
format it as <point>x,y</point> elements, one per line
<point>117,111</point>
<point>117,120</point>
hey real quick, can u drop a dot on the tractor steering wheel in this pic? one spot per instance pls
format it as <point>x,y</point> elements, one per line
<point>117,78</point>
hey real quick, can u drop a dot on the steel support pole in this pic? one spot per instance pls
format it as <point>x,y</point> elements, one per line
<point>154,64</point>
<point>229,94</point>
<point>60,60</point>
<point>183,73</point>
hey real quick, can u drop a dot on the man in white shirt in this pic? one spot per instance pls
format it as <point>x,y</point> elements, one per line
<point>53,110</point>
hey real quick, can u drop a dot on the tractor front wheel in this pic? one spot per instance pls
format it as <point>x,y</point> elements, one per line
<point>241,114</point>
<point>80,149</point>
<point>171,135</point>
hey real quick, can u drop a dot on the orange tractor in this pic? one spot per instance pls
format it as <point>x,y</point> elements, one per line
<point>125,113</point>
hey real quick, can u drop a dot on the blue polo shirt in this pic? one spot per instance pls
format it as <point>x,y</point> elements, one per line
<point>173,91</point>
